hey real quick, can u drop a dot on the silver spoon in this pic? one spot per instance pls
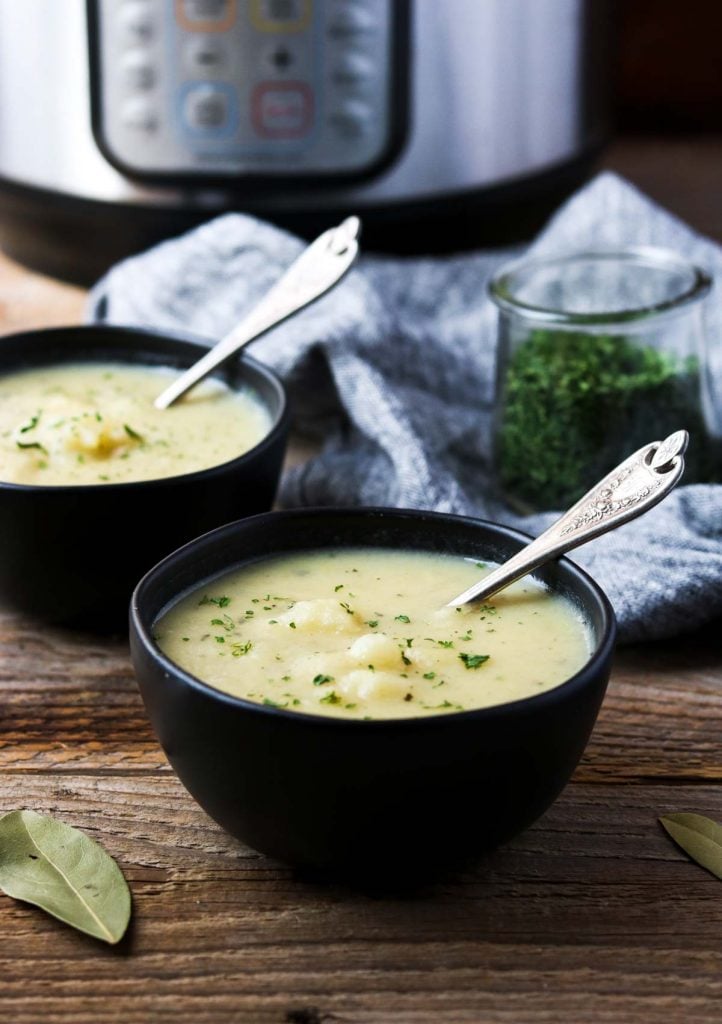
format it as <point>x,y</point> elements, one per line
<point>635,486</point>
<point>317,269</point>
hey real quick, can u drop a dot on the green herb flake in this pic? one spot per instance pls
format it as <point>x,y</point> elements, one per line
<point>331,698</point>
<point>321,680</point>
<point>346,607</point>
<point>372,623</point>
<point>429,675</point>
<point>402,618</point>
<point>227,622</point>
<point>273,703</point>
<point>292,625</point>
<point>239,649</point>
<point>32,444</point>
<point>473,660</point>
<point>222,602</point>
<point>132,433</point>
<point>339,587</point>
<point>31,425</point>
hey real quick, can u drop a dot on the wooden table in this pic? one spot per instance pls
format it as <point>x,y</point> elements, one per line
<point>592,915</point>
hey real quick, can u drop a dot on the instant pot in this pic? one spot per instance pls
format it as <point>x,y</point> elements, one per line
<point>443,123</point>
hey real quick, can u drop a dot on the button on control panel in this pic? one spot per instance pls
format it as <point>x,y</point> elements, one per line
<point>233,87</point>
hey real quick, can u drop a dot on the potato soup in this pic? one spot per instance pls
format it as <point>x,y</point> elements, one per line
<point>363,633</point>
<point>94,423</point>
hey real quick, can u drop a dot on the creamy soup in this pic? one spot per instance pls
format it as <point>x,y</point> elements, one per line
<point>94,423</point>
<point>362,633</point>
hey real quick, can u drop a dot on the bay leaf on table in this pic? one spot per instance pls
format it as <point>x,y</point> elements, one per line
<point>699,837</point>
<point>56,867</point>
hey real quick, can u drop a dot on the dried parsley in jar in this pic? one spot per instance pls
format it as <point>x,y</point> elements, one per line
<point>599,354</point>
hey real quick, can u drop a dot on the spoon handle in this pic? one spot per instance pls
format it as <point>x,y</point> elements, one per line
<point>635,486</point>
<point>316,270</point>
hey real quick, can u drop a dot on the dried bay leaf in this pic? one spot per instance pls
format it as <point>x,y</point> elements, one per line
<point>47,863</point>
<point>699,837</point>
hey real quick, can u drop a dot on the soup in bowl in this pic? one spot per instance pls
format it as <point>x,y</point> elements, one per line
<point>318,699</point>
<point>96,484</point>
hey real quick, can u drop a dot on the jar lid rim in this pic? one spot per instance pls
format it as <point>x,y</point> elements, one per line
<point>663,259</point>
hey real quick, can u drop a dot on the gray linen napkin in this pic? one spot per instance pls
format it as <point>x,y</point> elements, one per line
<point>394,370</point>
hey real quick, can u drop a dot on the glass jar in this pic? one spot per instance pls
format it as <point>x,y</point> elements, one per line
<point>599,353</point>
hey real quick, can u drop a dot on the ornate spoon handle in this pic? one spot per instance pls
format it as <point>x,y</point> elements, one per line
<point>316,270</point>
<point>635,486</point>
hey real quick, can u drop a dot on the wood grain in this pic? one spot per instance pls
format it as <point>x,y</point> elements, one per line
<point>590,917</point>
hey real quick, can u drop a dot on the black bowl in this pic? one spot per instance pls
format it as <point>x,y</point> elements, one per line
<point>73,554</point>
<point>394,799</point>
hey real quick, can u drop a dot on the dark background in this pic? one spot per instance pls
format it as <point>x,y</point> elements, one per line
<point>668,66</point>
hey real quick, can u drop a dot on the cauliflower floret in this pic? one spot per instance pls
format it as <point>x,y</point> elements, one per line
<point>98,439</point>
<point>323,613</point>
<point>363,684</point>
<point>376,649</point>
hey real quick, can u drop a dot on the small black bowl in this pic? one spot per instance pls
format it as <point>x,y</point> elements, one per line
<point>381,800</point>
<point>73,554</point>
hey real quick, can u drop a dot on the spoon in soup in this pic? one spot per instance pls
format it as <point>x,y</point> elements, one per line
<point>316,271</point>
<point>635,486</point>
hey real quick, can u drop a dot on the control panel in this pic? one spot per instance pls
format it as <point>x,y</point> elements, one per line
<point>257,87</point>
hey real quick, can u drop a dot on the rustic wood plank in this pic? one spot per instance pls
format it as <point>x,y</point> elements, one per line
<point>555,916</point>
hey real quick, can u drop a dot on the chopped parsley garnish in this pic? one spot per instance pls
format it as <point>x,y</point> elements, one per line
<point>239,649</point>
<point>273,703</point>
<point>227,622</point>
<point>346,607</point>
<point>219,639</point>
<point>429,675</point>
<point>406,661</point>
<point>331,698</point>
<point>339,587</point>
<point>31,444</point>
<point>373,623</point>
<point>445,643</point>
<point>29,426</point>
<point>222,602</point>
<point>402,618</point>
<point>132,433</point>
<point>320,680</point>
<point>474,660</point>
<point>292,625</point>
